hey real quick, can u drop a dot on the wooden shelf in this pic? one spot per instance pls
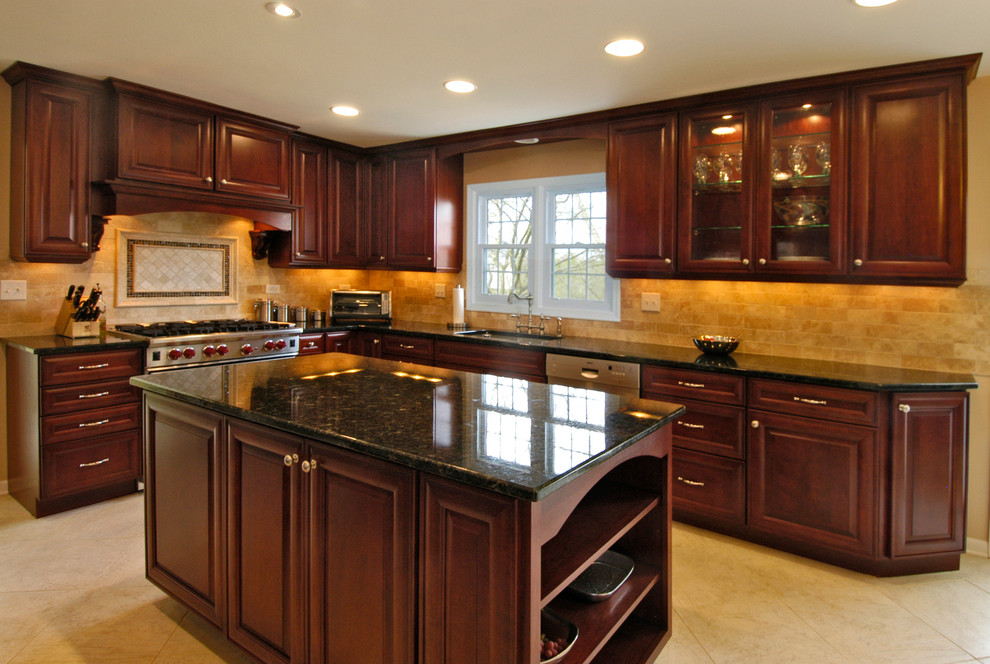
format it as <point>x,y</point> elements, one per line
<point>606,514</point>
<point>638,640</point>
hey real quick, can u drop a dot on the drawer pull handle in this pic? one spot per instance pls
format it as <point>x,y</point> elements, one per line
<point>813,402</point>
<point>904,408</point>
<point>310,344</point>
<point>406,347</point>
<point>87,367</point>
<point>94,463</point>
<point>689,425</point>
<point>93,424</point>
<point>690,482</point>
<point>681,382</point>
<point>95,395</point>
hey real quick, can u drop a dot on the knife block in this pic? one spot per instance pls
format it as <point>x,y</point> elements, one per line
<point>74,329</point>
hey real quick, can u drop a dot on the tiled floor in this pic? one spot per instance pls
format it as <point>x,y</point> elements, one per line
<point>72,589</point>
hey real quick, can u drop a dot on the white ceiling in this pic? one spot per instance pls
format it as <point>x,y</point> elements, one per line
<point>531,59</point>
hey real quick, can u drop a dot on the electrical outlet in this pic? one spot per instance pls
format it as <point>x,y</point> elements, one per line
<point>440,290</point>
<point>13,289</point>
<point>273,288</point>
<point>651,302</point>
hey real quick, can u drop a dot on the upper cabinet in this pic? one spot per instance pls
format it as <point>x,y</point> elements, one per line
<point>52,127</point>
<point>171,140</point>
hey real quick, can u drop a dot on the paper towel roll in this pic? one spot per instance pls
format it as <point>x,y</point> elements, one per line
<point>458,297</point>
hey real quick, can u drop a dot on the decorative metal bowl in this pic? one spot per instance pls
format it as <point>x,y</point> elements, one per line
<point>802,210</point>
<point>715,345</point>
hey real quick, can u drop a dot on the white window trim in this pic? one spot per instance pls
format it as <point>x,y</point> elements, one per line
<point>543,304</point>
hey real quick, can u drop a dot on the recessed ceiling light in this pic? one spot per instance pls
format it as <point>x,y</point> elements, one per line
<point>349,111</point>
<point>460,87</point>
<point>527,141</point>
<point>623,48</point>
<point>874,3</point>
<point>727,117</point>
<point>283,10</point>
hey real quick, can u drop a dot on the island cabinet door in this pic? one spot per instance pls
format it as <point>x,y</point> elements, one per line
<point>264,548</point>
<point>361,571</point>
<point>183,500</point>
<point>470,587</point>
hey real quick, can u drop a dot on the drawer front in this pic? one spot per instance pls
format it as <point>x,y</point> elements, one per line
<point>667,383</point>
<point>91,367</point>
<point>818,401</point>
<point>467,356</point>
<point>89,423</point>
<point>711,428</point>
<point>311,344</point>
<point>58,400</point>
<point>338,342</point>
<point>407,349</point>
<point>709,485</point>
<point>86,464</point>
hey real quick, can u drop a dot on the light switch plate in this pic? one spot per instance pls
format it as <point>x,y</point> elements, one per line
<point>651,302</point>
<point>440,290</point>
<point>13,289</point>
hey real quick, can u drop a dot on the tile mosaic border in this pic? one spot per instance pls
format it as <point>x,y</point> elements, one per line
<point>209,275</point>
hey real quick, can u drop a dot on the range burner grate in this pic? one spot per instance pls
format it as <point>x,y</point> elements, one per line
<point>187,327</point>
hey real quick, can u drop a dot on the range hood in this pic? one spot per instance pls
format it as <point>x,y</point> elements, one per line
<point>131,198</point>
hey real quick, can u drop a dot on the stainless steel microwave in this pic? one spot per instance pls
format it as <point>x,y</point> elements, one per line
<point>360,306</point>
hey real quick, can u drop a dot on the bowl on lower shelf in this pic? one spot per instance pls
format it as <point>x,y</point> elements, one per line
<point>715,345</point>
<point>554,627</point>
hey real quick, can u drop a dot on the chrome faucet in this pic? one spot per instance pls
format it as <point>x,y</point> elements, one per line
<point>528,326</point>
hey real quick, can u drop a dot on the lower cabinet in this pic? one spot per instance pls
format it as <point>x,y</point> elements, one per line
<point>529,364</point>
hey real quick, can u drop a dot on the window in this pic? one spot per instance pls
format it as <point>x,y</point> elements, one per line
<point>543,239</point>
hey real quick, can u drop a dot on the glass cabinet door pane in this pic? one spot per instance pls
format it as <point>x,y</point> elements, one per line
<point>717,233</point>
<point>797,210</point>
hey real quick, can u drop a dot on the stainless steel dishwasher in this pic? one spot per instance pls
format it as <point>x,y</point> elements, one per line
<point>593,373</point>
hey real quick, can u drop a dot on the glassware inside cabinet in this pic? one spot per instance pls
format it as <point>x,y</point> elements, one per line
<point>718,202</point>
<point>800,182</point>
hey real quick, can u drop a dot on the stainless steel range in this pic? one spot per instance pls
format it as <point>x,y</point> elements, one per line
<point>181,344</point>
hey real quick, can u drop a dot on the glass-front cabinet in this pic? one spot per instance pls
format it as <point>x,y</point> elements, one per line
<point>800,205</point>
<point>715,229</point>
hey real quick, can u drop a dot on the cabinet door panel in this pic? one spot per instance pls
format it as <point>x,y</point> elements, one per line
<point>814,481</point>
<point>252,160</point>
<point>346,219</point>
<point>159,142</point>
<point>338,342</point>
<point>928,485</point>
<point>308,243</point>
<point>908,179</point>
<point>264,525</point>
<point>412,192</point>
<point>642,192</point>
<point>361,559</point>
<point>184,496</point>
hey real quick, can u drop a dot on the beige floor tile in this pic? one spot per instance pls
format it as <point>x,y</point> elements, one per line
<point>112,624</point>
<point>49,565</point>
<point>23,615</point>
<point>198,642</point>
<point>682,648</point>
<point>16,523</point>
<point>119,518</point>
<point>128,570</point>
<point>976,569</point>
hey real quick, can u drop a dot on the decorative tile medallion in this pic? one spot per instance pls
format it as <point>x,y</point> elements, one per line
<point>162,269</point>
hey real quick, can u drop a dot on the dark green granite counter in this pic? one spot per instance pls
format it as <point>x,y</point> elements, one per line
<point>506,435</point>
<point>52,344</point>
<point>821,372</point>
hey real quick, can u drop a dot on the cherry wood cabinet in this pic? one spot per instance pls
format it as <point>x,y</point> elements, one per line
<point>347,224</point>
<point>406,348</point>
<point>185,505</point>
<point>311,343</point>
<point>908,179</point>
<point>512,362</point>
<point>339,342</point>
<point>73,427</point>
<point>52,136</point>
<point>367,343</point>
<point>641,180</point>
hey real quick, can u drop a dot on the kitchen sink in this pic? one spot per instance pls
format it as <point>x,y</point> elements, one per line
<point>505,334</point>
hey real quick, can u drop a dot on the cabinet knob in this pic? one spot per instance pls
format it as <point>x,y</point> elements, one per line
<point>381,258</point>
<point>858,262</point>
<point>290,459</point>
<point>375,341</point>
<point>429,259</point>
<point>904,408</point>
<point>84,245</point>
<point>667,261</point>
<point>763,261</point>
<point>309,465</point>
<point>755,424</point>
<point>745,261</point>
<point>208,179</point>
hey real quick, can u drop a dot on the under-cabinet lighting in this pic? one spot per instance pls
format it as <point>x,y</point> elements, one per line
<point>403,374</point>
<point>727,117</point>
<point>283,10</point>
<point>348,111</point>
<point>624,48</point>
<point>723,131</point>
<point>874,3</point>
<point>331,374</point>
<point>527,141</point>
<point>806,106</point>
<point>460,87</point>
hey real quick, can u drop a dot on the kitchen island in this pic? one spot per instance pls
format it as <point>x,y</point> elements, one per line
<point>342,508</point>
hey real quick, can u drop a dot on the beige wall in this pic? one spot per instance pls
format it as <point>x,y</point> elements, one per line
<point>916,327</point>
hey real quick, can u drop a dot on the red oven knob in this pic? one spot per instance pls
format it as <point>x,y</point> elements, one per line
<point>189,352</point>
<point>222,350</point>
<point>280,344</point>
<point>209,351</point>
<point>269,345</point>
<point>247,349</point>
<point>174,354</point>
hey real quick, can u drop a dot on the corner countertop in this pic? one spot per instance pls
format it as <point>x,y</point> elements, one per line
<point>52,344</point>
<point>510,436</point>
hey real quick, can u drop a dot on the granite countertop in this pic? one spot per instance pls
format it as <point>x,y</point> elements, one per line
<point>506,435</point>
<point>52,344</point>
